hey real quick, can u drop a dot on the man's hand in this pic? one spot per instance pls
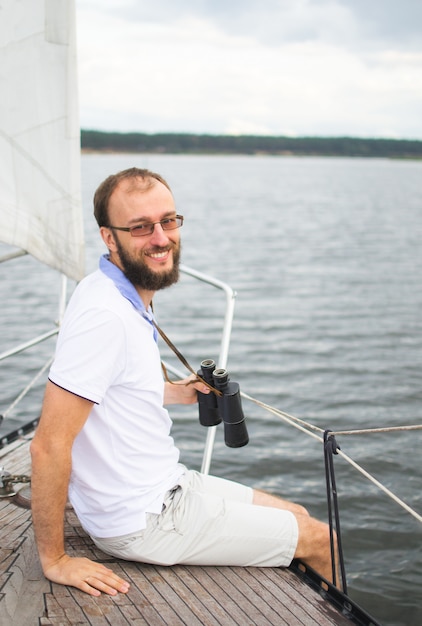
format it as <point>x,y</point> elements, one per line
<point>184,391</point>
<point>89,576</point>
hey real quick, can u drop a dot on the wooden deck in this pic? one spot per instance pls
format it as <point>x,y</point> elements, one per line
<point>159,595</point>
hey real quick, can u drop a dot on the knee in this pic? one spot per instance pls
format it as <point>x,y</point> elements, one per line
<point>298,509</point>
<point>261,498</point>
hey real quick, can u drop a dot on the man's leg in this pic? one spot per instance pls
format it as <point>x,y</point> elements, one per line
<point>262,498</point>
<point>313,546</point>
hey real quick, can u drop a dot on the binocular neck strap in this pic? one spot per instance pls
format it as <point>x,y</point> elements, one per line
<point>183,360</point>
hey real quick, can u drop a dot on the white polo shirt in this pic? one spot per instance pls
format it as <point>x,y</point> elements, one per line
<point>124,459</point>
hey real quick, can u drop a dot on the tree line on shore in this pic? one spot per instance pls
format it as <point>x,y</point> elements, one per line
<point>186,143</point>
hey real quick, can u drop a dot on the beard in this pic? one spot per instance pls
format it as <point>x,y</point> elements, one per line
<point>140,275</point>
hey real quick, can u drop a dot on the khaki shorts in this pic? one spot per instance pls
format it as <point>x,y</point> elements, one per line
<point>210,521</point>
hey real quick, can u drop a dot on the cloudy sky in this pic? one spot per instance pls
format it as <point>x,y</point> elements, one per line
<point>279,67</point>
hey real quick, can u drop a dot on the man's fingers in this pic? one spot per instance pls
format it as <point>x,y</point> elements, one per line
<point>105,581</point>
<point>88,576</point>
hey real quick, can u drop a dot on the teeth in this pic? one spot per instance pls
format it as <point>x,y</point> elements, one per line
<point>158,255</point>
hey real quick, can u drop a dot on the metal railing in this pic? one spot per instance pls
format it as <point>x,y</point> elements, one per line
<point>230,296</point>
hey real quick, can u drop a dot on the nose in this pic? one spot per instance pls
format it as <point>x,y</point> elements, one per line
<point>158,236</point>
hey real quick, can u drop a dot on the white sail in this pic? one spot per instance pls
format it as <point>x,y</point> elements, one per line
<point>40,196</point>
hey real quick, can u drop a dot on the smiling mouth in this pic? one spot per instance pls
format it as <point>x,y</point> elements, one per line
<point>158,254</point>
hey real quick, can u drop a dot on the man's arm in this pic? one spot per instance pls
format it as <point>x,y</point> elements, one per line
<point>62,417</point>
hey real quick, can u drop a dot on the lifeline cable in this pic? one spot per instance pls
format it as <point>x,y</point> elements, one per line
<point>307,428</point>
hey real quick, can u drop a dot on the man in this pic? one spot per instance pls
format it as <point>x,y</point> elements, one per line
<point>104,436</point>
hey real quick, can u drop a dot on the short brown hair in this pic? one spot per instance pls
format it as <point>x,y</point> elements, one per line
<point>104,191</point>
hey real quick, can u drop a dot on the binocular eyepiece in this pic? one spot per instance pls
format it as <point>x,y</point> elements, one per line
<point>226,408</point>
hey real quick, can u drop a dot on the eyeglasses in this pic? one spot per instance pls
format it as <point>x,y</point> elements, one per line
<point>168,223</point>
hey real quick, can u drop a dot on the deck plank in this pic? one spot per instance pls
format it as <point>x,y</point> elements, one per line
<point>180,583</point>
<point>180,595</point>
<point>197,590</point>
<point>246,608</point>
<point>266,604</point>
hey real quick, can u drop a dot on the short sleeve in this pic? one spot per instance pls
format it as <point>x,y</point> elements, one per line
<point>90,353</point>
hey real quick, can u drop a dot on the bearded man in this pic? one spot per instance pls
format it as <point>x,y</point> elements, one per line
<point>104,439</point>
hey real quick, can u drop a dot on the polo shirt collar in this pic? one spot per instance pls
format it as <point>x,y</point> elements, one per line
<point>127,289</point>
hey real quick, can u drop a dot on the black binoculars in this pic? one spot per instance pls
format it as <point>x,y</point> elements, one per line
<point>226,408</point>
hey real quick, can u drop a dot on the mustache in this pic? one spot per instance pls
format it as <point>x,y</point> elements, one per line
<point>156,249</point>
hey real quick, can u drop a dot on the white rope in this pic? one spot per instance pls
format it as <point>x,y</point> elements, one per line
<point>389,429</point>
<point>290,419</point>
<point>380,486</point>
<point>307,428</point>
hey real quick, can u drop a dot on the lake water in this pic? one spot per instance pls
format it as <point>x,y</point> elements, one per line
<point>326,260</point>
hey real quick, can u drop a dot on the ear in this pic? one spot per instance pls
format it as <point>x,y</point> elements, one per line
<point>108,238</point>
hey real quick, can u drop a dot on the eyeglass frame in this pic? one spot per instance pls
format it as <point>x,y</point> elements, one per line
<point>129,229</point>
